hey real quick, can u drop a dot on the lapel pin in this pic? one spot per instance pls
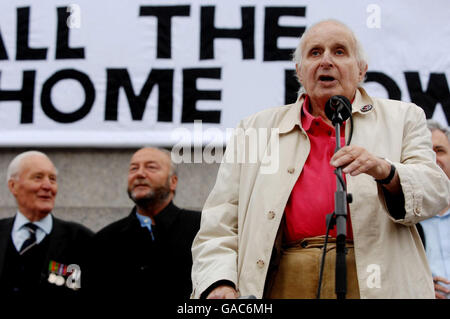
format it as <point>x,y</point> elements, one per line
<point>366,108</point>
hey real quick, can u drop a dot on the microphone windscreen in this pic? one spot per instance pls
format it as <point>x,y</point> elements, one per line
<point>338,105</point>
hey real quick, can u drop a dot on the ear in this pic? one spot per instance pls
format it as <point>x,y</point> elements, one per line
<point>297,70</point>
<point>362,72</point>
<point>12,186</point>
<point>173,182</point>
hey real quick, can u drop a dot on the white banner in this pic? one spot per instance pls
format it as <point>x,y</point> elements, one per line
<point>127,73</point>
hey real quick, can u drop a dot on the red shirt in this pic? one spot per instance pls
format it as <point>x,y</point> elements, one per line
<point>312,197</point>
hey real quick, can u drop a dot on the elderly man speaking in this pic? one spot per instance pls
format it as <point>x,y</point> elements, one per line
<point>263,234</point>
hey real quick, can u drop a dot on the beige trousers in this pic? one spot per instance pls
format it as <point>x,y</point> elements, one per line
<point>298,272</point>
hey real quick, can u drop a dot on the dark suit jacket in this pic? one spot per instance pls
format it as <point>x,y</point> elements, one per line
<point>67,245</point>
<point>126,261</point>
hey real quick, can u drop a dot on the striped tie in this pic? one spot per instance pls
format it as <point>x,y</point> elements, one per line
<point>31,241</point>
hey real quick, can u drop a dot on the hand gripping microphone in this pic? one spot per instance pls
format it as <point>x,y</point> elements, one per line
<point>338,109</point>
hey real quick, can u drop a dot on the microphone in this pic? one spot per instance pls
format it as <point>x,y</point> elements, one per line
<point>338,109</point>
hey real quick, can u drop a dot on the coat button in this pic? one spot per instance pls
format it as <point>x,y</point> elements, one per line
<point>291,170</point>
<point>260,263</point>
<point>271,214</point>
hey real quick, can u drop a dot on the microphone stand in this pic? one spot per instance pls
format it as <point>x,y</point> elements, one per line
<point>340,218</point>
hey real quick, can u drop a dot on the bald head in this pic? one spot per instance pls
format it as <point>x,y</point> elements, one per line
<point>359,50</point>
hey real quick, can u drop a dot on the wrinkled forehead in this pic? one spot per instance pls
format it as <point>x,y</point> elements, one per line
<point>37,163</point>
<point>328,33</point>
<point>150,155</point>
<point>439,138</point>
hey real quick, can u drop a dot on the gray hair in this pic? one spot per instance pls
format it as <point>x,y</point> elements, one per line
<point>361,56</point>
<point>434,125</point>
<point>173,166</point>
<point>16,164</point>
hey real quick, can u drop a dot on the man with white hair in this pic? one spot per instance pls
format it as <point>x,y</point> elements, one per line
<point>264,234</point>
<point>38,252</point>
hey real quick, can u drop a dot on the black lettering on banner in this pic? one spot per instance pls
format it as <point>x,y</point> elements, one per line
<point>3,53</point>
<point>24,52</point>
<point>46,101</point>
<point>63,51</point>
<point>25,96</point>
<point>119,78</point>
<point>164,15</point>
<point>273,31</point>
<point>436,92</point>
<point>209,32</point>
<point>291,86</point>
<point>388,83</point>
<point>191,95</point>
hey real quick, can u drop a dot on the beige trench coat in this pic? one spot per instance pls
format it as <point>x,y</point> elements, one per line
<point>243,212</point>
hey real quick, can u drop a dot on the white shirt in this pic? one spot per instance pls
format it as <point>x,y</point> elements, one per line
<point>437,240</point>
<point>20,233</point>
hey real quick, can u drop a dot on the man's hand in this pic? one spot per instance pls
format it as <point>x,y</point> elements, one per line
<point>440,291</point>
<point>223,292</point>
<point>356,160</point>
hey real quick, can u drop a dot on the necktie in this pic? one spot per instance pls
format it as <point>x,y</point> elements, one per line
<point>31,241</point>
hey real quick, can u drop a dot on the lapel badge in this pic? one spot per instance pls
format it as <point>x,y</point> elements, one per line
<point>366,108</point>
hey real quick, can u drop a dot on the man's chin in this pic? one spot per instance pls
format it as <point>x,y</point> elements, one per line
<point>140,196</point>
<point>44,211</point>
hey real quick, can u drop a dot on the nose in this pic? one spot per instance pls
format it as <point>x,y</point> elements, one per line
<point>327,60</point>
<point>439,162</point>
<point>140,172</point>
<point>46,184</point>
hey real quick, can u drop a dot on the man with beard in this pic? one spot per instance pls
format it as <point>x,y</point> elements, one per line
<point>147,253</point>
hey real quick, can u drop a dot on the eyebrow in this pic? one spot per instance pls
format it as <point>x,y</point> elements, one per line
<point>44,173</point>
<point>312,46</point>
<point>146,162</point>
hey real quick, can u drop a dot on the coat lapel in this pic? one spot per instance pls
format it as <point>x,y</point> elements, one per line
<point>56,245</point>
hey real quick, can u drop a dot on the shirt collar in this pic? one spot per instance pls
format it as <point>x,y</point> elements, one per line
<point>444,215</point>
<point>292,117</point>
<point>306,117</point>
<point>163,219</point>
<point>45,224</point>
<point>145,221</point>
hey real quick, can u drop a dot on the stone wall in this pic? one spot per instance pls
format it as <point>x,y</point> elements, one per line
<point>92,184</point>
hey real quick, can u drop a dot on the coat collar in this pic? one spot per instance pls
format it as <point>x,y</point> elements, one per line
<point>163,220</point>
<point>362,104</point>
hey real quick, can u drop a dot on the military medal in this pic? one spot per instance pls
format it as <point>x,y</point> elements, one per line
<point>60,280</point>
<point>57,273</point>
<point>51,278</point>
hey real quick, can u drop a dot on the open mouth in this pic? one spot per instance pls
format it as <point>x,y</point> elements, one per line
<point>326,78</point>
